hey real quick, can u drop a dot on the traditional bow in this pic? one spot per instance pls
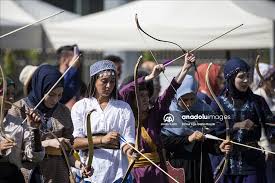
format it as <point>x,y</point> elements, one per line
<point>138,123</point>
<point>257,67</point>
<point>225,119</point>
<point>90,139</point>
<point>67,160</point>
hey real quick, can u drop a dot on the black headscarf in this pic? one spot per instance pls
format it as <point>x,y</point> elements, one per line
<point>43,79</point>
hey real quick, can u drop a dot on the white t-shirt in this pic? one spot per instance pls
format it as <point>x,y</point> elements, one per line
<point>109,165</point>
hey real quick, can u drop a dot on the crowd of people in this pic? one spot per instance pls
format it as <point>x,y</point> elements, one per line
<point>65,131</point>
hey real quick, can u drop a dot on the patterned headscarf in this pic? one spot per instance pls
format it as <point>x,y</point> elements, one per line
<point>103,65</point>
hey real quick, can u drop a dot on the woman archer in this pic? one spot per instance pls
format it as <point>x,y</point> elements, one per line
<point>248,114</point>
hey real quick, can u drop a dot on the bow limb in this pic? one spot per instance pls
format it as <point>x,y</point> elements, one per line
<point>90,142</point>
<point>2,109</point>
<point>90,138</point>
<point>258,69</point>
<point>161,40</point>
<point>67,160</point>
<point>138,125</point>
<point>225,119</point>
<point>138,135</point>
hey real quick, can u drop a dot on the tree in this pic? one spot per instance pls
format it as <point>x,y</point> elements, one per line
<point>9,63</point>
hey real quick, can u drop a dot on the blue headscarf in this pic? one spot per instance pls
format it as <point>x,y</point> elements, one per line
<point>231,69</point>
<point>188,86</point>
<point>43,79</point>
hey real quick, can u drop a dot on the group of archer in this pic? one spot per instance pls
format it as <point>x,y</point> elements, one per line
<point>117,119</point>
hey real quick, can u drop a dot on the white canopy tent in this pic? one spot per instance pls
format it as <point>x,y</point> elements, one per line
<point>15,14</point>
<point>262,8</point>
<point>39,9</point>
<point>12,16</point>
<point>189,23</point>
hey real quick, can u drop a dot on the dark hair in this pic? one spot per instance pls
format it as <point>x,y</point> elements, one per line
<point>113,58</point>
<point>149,85</point>
<point>91,87</point>
<point>83,89</point>
<point>64,49</point>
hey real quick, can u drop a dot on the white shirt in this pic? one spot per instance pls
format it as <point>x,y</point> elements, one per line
<point>109,165</point>
<point>264,142</point>
<point>269,100</point>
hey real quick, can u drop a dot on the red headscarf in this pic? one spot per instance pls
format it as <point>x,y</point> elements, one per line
<point>213,75</point>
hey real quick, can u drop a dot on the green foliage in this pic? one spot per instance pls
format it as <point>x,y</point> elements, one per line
<point>9,63</point>
<point>147,56</point>
<point>33,56</point>
<point>30,56</point>
<point>265,56</point>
